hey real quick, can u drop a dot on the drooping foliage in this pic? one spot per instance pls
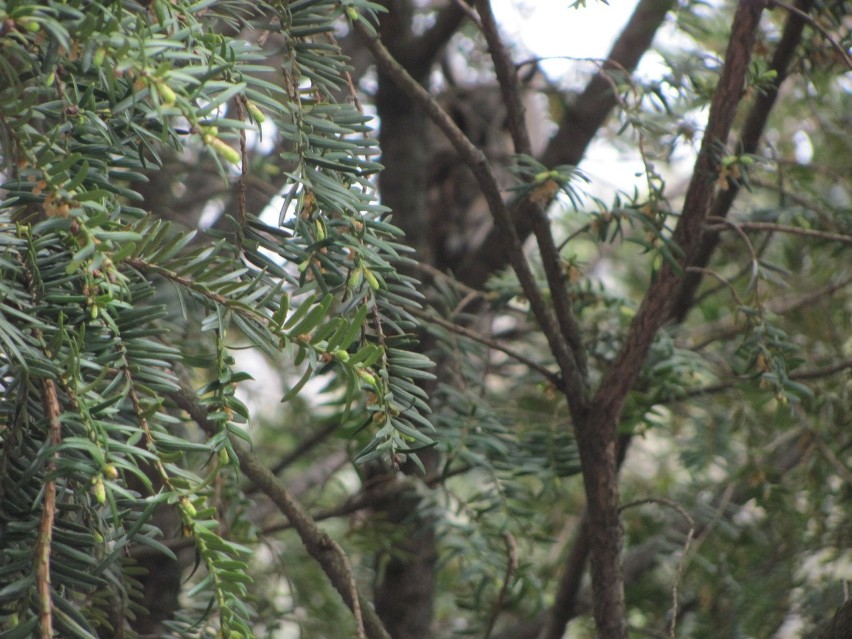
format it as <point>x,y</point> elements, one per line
<point>109,312</point>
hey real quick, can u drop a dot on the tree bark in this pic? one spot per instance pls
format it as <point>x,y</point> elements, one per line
<point>405,581</point>
<point>749,138</point>
<point>840,624</point>
<point>598,435</point>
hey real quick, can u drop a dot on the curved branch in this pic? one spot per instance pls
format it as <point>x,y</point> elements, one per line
<point>44,547</point>
<point>844,55</point>
<point>771,227</point>
<point>427,46</point>
<point>565,605</point>
<point>576,130</point>
<point>510,89</point>
<point>599,433</point>
<point>508,239</point>
<point>490,343</point>
<point>324,550</point>
<point>581,122</point>
<point>507,78</point>
<point>688,233</point>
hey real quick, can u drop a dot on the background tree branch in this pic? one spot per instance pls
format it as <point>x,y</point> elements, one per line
<point>580,124</point>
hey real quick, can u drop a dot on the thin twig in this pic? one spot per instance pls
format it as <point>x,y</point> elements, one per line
<point>549,375</point>
<point>727,327</point>
<point>749,138</point>
<point>771,227</point>
<point>785,194</point>
<point>579,125</point>
<point>469,12</point>
<point>461,286</point>
<point>816,25</point>
<point>712,290</point>
<point>722,280</point>
<point>53,410</point>
<point>425,48</point>
<point>320,546</point>
<point>507,78</point>
<point>718,514</point>
<point>305,445</point>
<point>353,592</point>
<point>478,164</point>
<point>755,264</point>
<point>832,459</point>
<point>682,563</point>
<point>813,373</point>
<point>44,543</point>
<point>511,566</point>
<point>374,496</point>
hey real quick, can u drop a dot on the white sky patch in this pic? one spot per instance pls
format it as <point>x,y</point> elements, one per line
<point>570,41</point>
<point>262,141</point>
<point>551,29</point>
<point>211,212</point>
<point>802,147</point>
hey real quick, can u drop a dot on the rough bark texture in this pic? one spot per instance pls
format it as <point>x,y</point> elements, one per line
<point>597,436</point>
<point>840,627</point>
<point>749,138</point>
<point>597,445</point>
<point>404,591</point>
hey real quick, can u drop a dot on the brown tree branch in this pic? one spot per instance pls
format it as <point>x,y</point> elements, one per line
<point>727,327</point>
<point>686,544</point>
<point>509,240</point>
<point>510,89</point>
<point>652,312</point>
<point>427,46</point>
<point>642,559</point>
<point>511,566</point>
<point>305,445</point>
<point>404,587</point>
<point>585,117</point>
<point>43,550</point>
<point>812,373</point>
<point>565,605</point>
<point>771,227</point>
<point>844,55</point>
<point>598,435</point>
<point>324,550</point>
<point>563,609</point>
<point>507,78</point>
<point>472,15</point>
<point>749,138</point>
<point>489,342</point>
<point>578,127</point>
<point>44,541</point>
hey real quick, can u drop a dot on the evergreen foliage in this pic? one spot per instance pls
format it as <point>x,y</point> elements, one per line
<point>93,95</point>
